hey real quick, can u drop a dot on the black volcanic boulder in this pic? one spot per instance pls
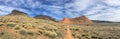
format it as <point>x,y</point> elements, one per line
<point>16,12</point>
<point>45,17</point>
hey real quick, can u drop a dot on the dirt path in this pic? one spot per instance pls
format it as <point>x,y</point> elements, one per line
<point>68,34</point>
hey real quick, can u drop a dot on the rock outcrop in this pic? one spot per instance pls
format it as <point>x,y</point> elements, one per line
<point>77,20</point>
<point>66,21</point>
<point>16,12</point>
<point>44,17</point>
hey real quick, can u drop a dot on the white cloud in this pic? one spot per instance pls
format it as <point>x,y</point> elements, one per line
<point>113,2</point>
<point>6,8</point>
<point>3,13</point>
<point>94,9</point>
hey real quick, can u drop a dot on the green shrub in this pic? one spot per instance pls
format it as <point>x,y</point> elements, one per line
<point>30,33</point>
<point>17,28</point>
<point>51,34</point>
<point>59,34</point>
<point>11,25</point>
<point>23,32</point>
<point>76,29</point>
<point>8,35</point>
<point>1,33</point>
<point>41,31</point>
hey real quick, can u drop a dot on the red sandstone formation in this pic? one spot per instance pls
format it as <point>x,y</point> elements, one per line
<point>77,20</point>
<point>66,21</point>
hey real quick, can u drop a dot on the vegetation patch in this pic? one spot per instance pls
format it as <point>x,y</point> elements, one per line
<point>23,32</point>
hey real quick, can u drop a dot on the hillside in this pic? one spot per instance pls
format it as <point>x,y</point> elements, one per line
<point>21,26</point>
<point>44,17</point>
<point>16,12</point>
<point>77,20</point>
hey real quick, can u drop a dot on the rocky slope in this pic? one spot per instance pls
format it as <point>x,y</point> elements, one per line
<point>44,17</point>
<point>66,21</point>
<point>16,12</point>
<point>77,20</point>
<point>24,27</point>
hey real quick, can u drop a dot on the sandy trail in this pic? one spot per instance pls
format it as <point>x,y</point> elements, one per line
<point>68,34</point>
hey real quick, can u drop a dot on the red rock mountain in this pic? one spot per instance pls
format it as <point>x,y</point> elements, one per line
<point>77,20</point>
<point>66,21</point>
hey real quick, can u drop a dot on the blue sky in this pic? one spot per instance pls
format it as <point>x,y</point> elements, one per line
<point>94,9</point>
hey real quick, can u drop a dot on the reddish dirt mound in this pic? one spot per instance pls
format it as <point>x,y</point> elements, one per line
<point>77,20</point>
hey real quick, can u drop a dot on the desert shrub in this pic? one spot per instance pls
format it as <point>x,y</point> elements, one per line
<point>30,33</point>
<point>99,37</point>
<point>1,33</point>
<point>17,28</point>
<point>77,36</point>
<point>8,35</point>
<point>51,28</point>
<point>76,29</point>
<point>94,37</point>
<point>59,34</point>
<point>11,25</point>
<point>1,24</point>
<point>41,31</point>
<point>33,26</point>
<point>23,32</point>
<point>51,34</point>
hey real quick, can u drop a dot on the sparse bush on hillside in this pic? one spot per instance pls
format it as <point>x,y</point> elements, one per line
<point>41,31</point>
<point>11,25</point>
<point>59,34</point>
<point>1,34</point>
<point>8,35</point>
<point>75,29</point>
<point>51,28</point>
<point>23,32</point>
<point>30,33</point>
<point>17,28</point>
<point>51,34</point>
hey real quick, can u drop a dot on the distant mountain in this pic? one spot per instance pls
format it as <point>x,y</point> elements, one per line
<point>77,20</point>
<point>16,12</point>
<point>99,21</point>
<point>45,17</point>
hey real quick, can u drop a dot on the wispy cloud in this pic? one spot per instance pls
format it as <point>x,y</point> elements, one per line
<point>94,9</point>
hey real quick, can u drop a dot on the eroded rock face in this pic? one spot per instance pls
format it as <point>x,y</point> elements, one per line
<point>66,21</point>
<point>82,19</point>
<point>16,12</point>
<point>77,20</point>
<point>44,17</point>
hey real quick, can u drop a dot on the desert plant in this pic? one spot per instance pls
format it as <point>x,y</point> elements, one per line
<point>59,34</point>
<point>23,32</point>
<point>30,33</point>
<point>51,34</point>
<point>17,28</point>
<point>1,34</point>
<point>41,31</point>
<point>11,25</point>
<point>8,35</point>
